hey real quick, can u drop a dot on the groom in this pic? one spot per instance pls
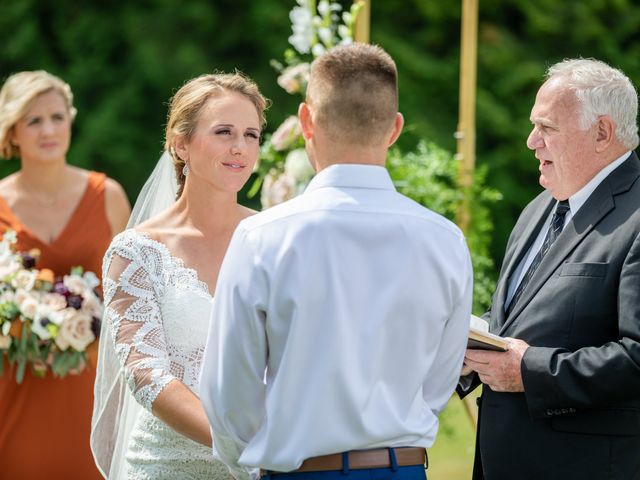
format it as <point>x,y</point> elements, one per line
<point>340,317</point>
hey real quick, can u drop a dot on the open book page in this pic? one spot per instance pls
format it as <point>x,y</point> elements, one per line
<point>479,324</point>
<point>479,336</point>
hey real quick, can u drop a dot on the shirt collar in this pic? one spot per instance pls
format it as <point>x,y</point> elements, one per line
<point>581,196</point>
<point>353,176</point>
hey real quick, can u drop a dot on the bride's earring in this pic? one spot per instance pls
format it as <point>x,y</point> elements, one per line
<point>185,169</point>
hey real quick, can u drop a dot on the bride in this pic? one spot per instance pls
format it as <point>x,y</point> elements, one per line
<point>159,279</point>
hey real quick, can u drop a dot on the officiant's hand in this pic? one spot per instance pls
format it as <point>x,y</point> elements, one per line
<point>500,371</point>
<point>466,369</point>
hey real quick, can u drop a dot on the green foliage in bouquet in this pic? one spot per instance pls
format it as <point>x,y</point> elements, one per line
<point>429,175</point>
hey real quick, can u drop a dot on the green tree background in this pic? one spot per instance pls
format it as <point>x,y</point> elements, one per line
<point>125,59</point>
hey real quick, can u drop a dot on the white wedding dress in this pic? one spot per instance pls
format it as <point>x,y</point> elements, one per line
<point>158,313</point>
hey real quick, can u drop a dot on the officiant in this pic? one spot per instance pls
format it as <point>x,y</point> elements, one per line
<point>564,401</point>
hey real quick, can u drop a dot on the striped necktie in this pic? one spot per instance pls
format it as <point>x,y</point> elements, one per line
<point>557,222</point>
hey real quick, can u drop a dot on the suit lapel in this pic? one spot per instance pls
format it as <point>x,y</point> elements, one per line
<point>526,239</point>
<point>599,204</point>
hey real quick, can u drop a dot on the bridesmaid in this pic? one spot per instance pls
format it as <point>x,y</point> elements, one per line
<point>70,215</point>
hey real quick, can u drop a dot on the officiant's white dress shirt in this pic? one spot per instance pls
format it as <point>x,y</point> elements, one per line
<point>340,321</point>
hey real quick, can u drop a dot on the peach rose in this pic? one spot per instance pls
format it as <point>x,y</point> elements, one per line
<point>75,330</point>
<point>46,275</point>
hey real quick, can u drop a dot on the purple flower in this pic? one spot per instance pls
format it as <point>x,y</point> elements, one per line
<point>74,301</point>
<point>28,261</point>
<point>61,289</point>
<point>96,323</point>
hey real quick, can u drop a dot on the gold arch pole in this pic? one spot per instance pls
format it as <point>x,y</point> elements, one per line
<point>363,22</point>
<point>466,133</point>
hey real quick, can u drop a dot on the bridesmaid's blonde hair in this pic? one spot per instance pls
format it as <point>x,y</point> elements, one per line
<point>16,96</point>
<point>187,103</point>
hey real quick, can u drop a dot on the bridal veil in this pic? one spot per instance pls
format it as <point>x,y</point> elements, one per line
<point>115,410</point>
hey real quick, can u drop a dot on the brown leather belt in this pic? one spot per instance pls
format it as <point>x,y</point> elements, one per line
<point>359,459</point>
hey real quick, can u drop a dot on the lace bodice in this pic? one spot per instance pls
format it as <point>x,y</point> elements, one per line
<point>159,313</point>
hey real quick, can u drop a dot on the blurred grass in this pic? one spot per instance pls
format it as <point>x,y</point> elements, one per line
<point>451,457</point>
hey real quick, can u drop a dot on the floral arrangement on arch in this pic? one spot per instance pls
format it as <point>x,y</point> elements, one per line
<point>284,169</point>
<point>46,323</point>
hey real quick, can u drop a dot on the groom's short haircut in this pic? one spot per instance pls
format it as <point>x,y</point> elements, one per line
<point>353,92</point>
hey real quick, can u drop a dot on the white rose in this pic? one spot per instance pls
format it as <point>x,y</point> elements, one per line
<point>9,268</point>
<point>91,280</point>
<point>29,306</point>
<point>91,304</point>
<point>6,255</point>
<point>6,296</point>
<point>276,190</point>
<point>24,279</point>
<point>54,301</point>
<point>19,296</point>
<point>5,342</point>
<point>75,330</point>
<point>297,166</point>
<point>294,79</point>
<point>286,134</point>
<point>75,284</point>
<point>57,317</point>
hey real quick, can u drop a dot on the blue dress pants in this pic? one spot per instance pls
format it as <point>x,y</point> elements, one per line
<point>393,472</point>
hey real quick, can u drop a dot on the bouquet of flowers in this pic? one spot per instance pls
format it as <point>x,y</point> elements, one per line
<point>46,323</point>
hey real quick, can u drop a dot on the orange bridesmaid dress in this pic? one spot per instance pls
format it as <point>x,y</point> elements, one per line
<point>45,422</point>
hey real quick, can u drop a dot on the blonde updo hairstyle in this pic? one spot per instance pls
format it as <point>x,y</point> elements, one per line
<point>188,102</point>
<point>16,96</point>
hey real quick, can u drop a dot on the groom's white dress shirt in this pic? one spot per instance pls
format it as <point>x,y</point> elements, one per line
<point>340,321</point>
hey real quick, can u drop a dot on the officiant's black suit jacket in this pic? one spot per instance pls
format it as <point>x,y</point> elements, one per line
<point>579,417</point>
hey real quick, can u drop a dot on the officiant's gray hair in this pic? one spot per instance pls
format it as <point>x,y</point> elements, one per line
<point>601,90</point>
<point>189,100</point>
<point>16,96</point>
<point>353,92</point>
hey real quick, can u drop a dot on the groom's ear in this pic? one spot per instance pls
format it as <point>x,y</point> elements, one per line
<point>180,146</point>
<point>306,120</point>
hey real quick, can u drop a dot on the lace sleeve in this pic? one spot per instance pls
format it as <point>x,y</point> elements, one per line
<point>132,285</point>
